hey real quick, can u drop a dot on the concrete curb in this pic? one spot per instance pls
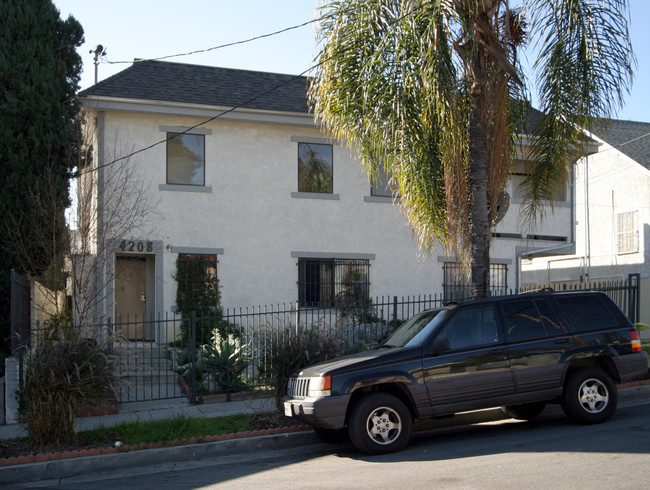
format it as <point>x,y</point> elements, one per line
<point>247,442</point>
<point>72,467</point>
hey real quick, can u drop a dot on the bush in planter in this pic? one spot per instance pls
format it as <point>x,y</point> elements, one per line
<point>290,352</point>
<point>62,374</point>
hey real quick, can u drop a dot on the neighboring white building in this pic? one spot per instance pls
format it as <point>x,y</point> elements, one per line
<point>250,180</point>
<point>612,215</point>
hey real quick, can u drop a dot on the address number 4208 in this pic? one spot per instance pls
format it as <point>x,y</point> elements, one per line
<point>136,246</point>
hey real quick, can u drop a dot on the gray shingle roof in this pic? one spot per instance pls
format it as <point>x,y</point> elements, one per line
<point>206,85</point>
<point>629,137</point>
<point>226,87</point>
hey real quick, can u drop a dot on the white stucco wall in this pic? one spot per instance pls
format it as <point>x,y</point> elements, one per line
<point>251,218</point>
<point>607,183</point>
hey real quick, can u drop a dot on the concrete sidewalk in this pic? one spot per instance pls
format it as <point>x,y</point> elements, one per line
<point>156,410</point>
<point>629,395</point>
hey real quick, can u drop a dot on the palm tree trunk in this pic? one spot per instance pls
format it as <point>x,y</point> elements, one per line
<point>478,166</point>
<point>479,225</point>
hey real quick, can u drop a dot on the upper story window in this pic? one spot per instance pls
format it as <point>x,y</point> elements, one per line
<point>185,159</point>
<point>627,232</point>
<point>315,168</point>
<point>517,178</point>
<point>381,185</point>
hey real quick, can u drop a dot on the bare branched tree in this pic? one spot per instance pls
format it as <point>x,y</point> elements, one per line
<point>111,204</point>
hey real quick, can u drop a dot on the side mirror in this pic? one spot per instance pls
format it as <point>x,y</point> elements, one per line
<point>439,346</point>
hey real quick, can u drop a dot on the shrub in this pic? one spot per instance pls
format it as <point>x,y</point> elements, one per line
<point>63,373</point>
<point>225,358</point>
<point>289,353</point>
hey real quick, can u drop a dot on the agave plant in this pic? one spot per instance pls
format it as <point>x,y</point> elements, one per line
<point>224,358</point>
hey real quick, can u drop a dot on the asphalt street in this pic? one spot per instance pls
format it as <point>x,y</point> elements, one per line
<point>256,449</point>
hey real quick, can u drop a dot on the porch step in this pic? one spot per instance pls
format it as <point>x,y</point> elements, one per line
<point>139,392</point>
<point>146,373</point>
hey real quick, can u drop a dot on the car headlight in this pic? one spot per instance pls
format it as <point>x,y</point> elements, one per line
<point>321,386</point>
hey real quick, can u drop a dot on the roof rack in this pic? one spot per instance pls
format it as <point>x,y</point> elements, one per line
<point>541,290</point>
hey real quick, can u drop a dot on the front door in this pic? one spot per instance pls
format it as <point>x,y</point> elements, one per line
<point>131,297</point>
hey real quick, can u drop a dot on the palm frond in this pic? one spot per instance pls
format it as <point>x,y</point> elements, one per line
<point>585,68</point>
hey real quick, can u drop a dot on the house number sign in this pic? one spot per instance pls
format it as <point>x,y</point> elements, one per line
<point>136,246</point>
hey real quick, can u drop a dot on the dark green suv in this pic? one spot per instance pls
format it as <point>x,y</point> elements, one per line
<point>519,352</point>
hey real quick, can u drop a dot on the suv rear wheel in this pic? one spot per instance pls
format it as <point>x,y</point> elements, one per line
<point>380,423</point>
<point>589,396</point>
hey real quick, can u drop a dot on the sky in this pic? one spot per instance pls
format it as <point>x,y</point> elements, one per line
<point>130,29</point>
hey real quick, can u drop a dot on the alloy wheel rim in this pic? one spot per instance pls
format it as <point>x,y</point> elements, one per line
<point>593,395</point>
<point>384,425</point>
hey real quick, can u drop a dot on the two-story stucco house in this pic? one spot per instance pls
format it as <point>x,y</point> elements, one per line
<point>612,215</point>
<point>240,173</point>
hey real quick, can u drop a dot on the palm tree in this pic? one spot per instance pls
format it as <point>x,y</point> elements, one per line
<point>434,92</point>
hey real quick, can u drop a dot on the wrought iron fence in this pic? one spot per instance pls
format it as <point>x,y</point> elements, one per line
<point>625,293</point>
<point>205,355</point>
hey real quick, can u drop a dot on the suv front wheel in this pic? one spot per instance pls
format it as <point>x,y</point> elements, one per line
<point>380,423</point>
<point>589,396</point>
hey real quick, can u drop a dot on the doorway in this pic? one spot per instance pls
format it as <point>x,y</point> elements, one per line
<point>134,294</point>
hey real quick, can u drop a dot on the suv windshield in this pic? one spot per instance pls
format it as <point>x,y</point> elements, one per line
<point>415,330</point>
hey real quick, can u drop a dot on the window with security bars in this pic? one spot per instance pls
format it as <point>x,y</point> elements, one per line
<point>627,232</point>
<point>456,285</point>
<point>333,283</point>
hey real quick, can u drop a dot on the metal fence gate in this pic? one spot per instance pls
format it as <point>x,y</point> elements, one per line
<point>20,311</point>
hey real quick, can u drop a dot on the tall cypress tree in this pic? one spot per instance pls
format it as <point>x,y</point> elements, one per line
<point>39,80</point>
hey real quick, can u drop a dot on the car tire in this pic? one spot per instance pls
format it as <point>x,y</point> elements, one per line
<point>332,436</point>
<point>590,396</point>
<point>380,423</point>
<point>525,411</point>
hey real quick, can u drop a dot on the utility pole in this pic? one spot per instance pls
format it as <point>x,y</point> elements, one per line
<point>99,51</point>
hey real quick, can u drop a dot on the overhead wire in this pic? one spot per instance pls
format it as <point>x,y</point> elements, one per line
<point>252,99</point>
<point>234,108</point>
<point>221,46</point>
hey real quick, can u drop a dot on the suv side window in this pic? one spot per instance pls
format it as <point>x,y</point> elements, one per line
<point>552,326</point>
<point>528,319</point>
<point>471,327</point>
<point>587,312</point>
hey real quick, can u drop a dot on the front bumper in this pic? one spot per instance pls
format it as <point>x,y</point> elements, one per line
<point>326,411</point>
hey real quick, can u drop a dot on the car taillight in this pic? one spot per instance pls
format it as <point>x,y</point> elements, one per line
<point>636,340</point>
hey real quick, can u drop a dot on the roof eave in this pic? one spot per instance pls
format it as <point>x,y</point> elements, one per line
<point>104,103</point>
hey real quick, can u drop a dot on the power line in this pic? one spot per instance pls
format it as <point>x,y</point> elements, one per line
<point>234,108</point>
<point>221,46</point>
<point>216,116</point>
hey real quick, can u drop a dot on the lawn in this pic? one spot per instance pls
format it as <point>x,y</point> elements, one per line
<point>160,431</point>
